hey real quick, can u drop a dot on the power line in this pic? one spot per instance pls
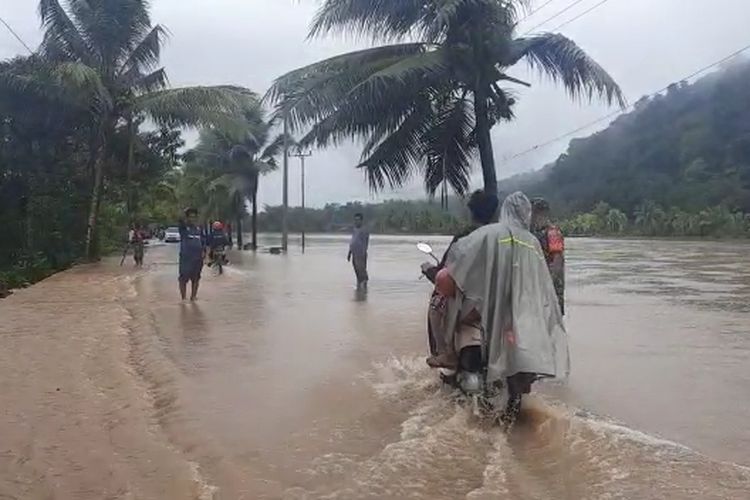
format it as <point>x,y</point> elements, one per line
<point>534,11</point>
<point>566,9</point>
<point>12,32</point>
<point>576,18</point>
<point>626,108</point>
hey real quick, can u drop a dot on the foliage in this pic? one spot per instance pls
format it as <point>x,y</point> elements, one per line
<point>77,165</point>
<point>389,217</point>
<point>664,163</point>
<point>427,102</point>
<point>223,170</point>
<point>106,54</point>
<point>650,219</point>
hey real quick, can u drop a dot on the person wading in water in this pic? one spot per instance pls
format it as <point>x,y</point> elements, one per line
<point>192,253</point>
<point>358,247</point>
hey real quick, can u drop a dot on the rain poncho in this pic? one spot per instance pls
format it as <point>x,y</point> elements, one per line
<point>500,272</point>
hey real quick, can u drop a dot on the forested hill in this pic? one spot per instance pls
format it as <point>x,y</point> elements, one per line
<point>686,149</point>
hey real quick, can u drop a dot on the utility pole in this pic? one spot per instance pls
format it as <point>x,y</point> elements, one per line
<point>285,195</point>
<point>302,157</point>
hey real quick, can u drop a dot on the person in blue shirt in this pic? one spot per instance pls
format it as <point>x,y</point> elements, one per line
<point>192,253</point>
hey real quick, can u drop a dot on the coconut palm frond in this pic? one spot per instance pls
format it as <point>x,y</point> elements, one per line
<point>146,54</point>
<point>62,39</point>
<point>449,146</point>
<point>219,107</point>
<point>379,20</point>
<point>311,92</point>
<point>393,160</point>
<point>561,59</point>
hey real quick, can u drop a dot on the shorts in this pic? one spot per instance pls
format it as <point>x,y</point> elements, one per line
<point>190,270</point>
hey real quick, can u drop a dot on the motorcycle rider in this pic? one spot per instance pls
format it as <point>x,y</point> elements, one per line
<point>483,208</point>
<point>553,245</point>
<point>500,279</point>
<point>217,239</point>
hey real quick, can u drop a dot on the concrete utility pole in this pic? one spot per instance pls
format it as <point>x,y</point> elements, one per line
<point>285,195</point>
<point>302,157</point>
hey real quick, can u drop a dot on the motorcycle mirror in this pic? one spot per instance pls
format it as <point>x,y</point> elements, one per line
<point>424,248</point>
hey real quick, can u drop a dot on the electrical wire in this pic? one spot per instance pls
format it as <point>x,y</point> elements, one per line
<point>534,11</point>
<point>626,108</point>
<point>13,32</point>
<point>576,18</point>
<point>555,16</point>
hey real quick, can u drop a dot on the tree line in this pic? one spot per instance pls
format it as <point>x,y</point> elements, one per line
<point>389,217</point>
<point>651,219</point>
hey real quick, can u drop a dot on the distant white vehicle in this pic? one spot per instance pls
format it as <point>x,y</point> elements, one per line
<point>172,235</point>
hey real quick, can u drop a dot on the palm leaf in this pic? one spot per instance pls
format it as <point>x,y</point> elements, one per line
<point>393,160</point>
<point>378,19</point>
<point>310,93</point>
<point>561,59</point>
<point>449,146</point>
<point>196,107</point>
<point>62,39</point>
<point>146,54</point>
<point>85,82</point>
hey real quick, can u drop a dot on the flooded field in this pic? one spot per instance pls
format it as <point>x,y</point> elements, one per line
<point>283,382</point>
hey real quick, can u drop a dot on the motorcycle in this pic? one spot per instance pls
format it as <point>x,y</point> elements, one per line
<point>218,259</point>
<point>500,400</point>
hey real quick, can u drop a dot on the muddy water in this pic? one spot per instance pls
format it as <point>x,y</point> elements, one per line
<point>283,382</point>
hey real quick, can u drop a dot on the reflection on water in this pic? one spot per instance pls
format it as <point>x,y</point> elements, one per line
<point>283,381</point>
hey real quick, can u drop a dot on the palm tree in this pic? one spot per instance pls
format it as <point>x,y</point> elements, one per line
<point>428,104</point>
<point>237,162</point>
<point>109,51</point>
<point>650,217</point>
<point>616,221</point>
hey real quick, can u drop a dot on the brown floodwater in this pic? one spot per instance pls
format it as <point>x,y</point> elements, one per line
<point>283,382</point>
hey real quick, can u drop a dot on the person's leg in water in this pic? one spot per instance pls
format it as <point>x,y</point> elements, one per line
<point>194,284</point>
<point>359,262</point>
<point>183,288</point>
<point>195,279</point>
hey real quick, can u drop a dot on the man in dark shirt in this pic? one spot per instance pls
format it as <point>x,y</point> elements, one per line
<point>192,253</point>
<point>553,244</point>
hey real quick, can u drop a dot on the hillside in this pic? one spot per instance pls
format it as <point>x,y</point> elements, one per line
<point>687,149</point>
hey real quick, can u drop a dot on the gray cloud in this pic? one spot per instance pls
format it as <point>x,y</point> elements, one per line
<point>644,44</point>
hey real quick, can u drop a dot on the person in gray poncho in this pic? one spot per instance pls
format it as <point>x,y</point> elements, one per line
<point>502,281</point>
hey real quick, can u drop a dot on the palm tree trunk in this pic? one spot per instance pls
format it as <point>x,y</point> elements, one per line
<point>92,249</point>
<point>130,168</point>
<point>239,232</point>
<point>484,140</point>
<point>240,210</point>
<point>255,216</point>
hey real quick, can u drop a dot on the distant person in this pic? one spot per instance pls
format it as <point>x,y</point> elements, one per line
<point>192,253</point>
<point>137,240</point>
<point>358,247</point>
<point>217,241</point>
<point>553,245</point>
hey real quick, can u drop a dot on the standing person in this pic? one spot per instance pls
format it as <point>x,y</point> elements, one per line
<point>137,241</point>
<point>553,245</point>
<point>192,253</point>
<point>358,251</point>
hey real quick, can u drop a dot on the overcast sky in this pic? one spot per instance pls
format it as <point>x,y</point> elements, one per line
<point>644,44</point>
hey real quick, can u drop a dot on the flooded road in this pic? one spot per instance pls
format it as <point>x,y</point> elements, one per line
<point>283,382</point>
